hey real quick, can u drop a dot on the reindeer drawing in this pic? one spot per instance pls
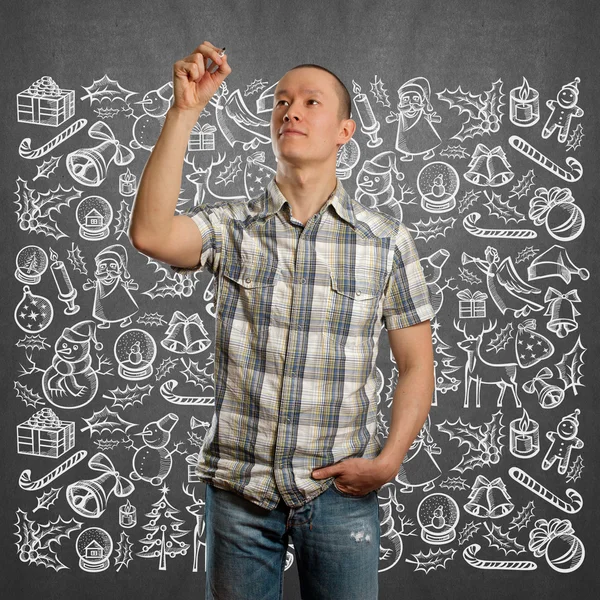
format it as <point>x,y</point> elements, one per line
<point>201,179</point>
<point>197,510</point>
<point>481,371</point>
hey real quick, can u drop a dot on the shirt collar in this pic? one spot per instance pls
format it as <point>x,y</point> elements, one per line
<point>339,199</point>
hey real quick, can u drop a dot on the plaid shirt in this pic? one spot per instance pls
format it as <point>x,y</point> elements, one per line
<point>299,310</point>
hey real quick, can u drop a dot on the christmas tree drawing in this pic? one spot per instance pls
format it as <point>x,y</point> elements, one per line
<point>443,380</point>
<point>163,534</point>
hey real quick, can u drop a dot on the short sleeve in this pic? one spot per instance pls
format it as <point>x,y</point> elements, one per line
<point>406,298</point>
<point>210,220</point>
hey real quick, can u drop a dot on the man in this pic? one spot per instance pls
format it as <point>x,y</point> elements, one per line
<point>306,278</point>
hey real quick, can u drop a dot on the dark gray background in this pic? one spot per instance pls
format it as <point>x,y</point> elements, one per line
<point>464,42</point>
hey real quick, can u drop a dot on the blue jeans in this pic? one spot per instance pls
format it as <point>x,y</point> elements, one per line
<point>335,538</point>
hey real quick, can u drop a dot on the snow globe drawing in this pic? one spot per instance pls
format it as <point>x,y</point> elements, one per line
<point>438,516</point>
<point>135,351</point>
<point>438,184</point>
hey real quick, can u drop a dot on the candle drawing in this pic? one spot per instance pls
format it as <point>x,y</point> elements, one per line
<point>66,292</point>
<point>524,437</point>
<point>524,106</point>
<point>369,124</point>
<point>127,183</point>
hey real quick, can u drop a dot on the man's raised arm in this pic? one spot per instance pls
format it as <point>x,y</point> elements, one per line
<point>154,228</point>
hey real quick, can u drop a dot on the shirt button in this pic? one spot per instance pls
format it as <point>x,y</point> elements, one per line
<point>358,293</point>
<point>248,280</point>
<point>303,280</point>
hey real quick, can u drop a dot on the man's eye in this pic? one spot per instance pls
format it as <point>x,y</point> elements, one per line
<point>311,100</point>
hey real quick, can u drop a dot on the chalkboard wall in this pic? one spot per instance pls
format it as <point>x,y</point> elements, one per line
<point>479,118</point>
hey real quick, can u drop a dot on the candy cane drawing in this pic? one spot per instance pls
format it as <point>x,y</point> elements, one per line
<point>518,143</point>
<point>26,483</point>
<point>25,150</point>
<point>537,488</point>
<point>472,218</point>
<point>508,565</point>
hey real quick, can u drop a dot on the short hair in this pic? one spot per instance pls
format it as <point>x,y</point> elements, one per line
<point>340,89</point>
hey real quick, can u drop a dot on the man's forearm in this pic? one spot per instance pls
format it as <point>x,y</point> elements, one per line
<point>411,404</point>
<point>158,191</point>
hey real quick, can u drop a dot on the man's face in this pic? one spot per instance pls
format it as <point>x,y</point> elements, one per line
<point>306,100</point>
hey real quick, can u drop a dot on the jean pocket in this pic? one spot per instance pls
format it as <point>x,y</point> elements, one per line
<point>346,494</point>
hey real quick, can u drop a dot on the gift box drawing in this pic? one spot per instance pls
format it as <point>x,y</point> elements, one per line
<point>44,434</point>
<point>44,103</point>
<point>471,304</point>
<point>202,137</point>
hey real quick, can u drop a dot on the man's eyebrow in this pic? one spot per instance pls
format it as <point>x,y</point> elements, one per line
<point>314,92</point>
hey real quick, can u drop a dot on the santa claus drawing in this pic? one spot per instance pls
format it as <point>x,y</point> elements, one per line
<point>112,302</point>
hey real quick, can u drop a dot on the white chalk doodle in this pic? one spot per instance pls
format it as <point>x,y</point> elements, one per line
<point>416,135</point>
<point>89,497</point>
<point>574,505</point>
<point>32,262</point>
<point>369,125</point>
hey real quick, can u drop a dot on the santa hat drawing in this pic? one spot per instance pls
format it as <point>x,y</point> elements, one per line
<point>419,85</point>
<point>555,262</point>
<point>572,86</point>
<point>115,252</point>
<point>82,332</point>
<point>572,419</point>
<point>382,163</point>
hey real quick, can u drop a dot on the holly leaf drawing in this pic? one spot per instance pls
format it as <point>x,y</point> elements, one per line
<point>165,367</point>
<point>493,100</point>
<point>569,368</point>
<point>106,89</point>
<point>483,110</point>
<point>34,539</point>
<point>501,339</point>
<point>465,101</point>
<point>155,319</point>
<point>468,531</point>
<point>454,152</point>
<point>35,208</point>
<point>483,441</point>
<point>123,556</point>
<point>523,516</point>
<point>194,374</point>
<point>498,539</point>
<point>454,483</point>
<point>465,433</point>
<point>29,396</point>
<point>433,228</point>
<point>493,431</point>
<point>128,396</point>
<point>106,420</point>
<point>503,210</point>
<point>575,469</point>
<point>47,167</point>
<point>523,185</point>
<point>76,259</point>
<point>122,221</point>
<point>162,290</point>
<point>47,499</point>
<point>432,560</point>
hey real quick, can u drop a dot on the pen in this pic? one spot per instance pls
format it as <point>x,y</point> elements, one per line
<point>222,52</point>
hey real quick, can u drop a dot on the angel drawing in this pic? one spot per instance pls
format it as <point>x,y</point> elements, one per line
<point>504,283</point>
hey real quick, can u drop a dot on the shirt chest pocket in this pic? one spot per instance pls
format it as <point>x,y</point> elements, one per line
<point>352,306</point>
<point>246,293</point>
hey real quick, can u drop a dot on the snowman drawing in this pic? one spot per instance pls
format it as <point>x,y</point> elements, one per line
<point>152,462</point>
<point>71,381</point>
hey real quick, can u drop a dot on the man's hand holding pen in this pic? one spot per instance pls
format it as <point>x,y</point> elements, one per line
<point>194,81</point>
